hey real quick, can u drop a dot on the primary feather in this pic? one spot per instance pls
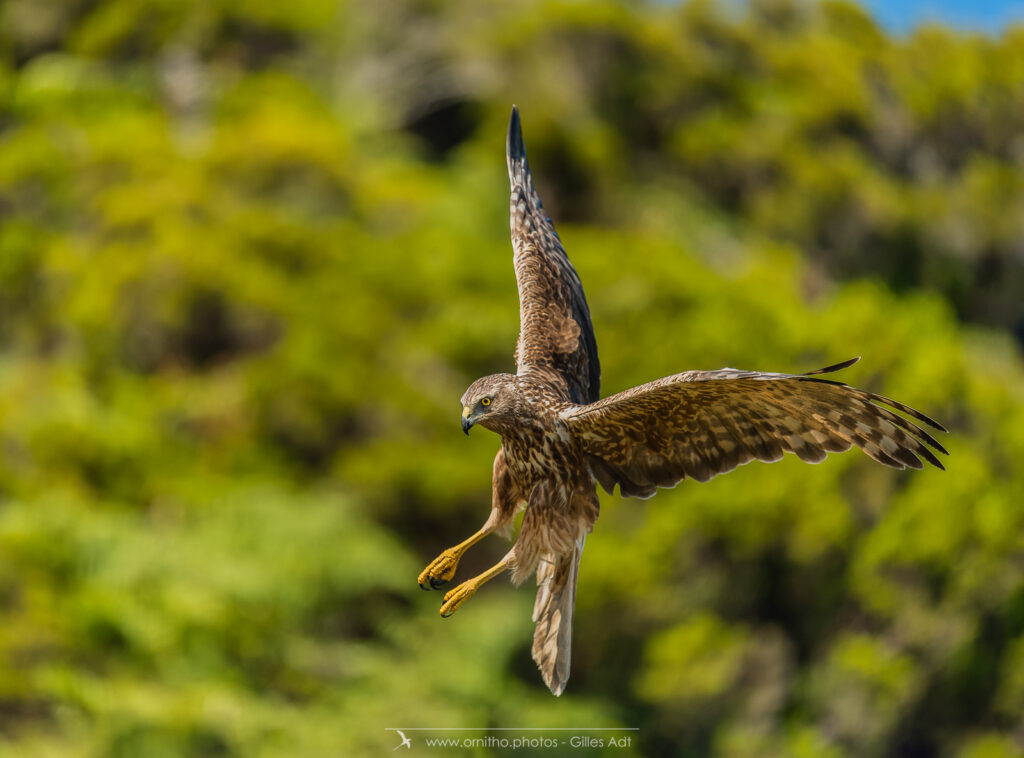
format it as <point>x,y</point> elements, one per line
<point>699,424</point>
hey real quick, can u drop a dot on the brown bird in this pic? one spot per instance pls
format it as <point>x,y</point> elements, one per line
<point>558,437</point>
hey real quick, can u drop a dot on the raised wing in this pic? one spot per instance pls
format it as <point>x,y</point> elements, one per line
<point>554,321</point>
<point>702,423</point>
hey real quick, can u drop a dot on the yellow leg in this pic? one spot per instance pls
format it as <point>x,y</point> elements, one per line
<point>441,570</point>
<point>467,589</point>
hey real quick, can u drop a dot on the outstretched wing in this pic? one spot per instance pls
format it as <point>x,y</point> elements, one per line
<point>554,321</point>
<point>702,423</point>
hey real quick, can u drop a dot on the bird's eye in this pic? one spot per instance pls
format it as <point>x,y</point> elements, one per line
<point>485,402</point>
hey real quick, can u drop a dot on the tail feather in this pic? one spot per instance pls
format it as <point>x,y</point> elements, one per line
<point>553,612</point>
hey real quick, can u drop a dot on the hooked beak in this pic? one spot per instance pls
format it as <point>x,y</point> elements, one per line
<point>466,422</point>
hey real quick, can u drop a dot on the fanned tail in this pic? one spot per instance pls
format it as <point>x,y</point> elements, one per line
<point>553,612</point>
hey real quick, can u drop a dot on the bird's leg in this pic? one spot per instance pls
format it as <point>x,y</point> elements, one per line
<point>504,503</point>
<point>441,570</point>
<point>468,588</point>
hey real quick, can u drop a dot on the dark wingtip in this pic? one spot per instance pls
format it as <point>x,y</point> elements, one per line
<point>515,150</point>
<point>514,144</point>
<point>834,367</point>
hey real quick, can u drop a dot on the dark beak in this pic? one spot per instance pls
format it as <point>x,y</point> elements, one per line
<point>466,424</point>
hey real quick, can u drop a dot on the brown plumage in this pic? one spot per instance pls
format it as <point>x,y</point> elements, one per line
<point>558,438</point>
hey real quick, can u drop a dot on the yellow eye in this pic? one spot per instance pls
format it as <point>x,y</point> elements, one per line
<point>485,402</point>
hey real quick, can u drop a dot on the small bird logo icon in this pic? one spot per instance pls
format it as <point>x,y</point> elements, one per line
<point>405,741</point>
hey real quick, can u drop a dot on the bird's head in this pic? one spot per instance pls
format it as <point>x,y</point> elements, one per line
<point>489,401</point>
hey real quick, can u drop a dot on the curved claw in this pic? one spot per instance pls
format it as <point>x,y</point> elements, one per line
<point>468,588</point>
<point>457,597</point>
<point>440,571</point>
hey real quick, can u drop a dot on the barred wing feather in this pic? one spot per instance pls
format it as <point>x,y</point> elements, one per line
<point>699,424</point>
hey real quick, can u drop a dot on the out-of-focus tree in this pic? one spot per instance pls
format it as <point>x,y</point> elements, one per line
<point>251,253</point>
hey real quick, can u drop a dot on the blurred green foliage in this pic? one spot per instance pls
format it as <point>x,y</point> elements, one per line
<point>251,254</point>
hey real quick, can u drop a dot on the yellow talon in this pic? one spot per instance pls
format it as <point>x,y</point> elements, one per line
<point>440,570</point>
<point>456,597</point>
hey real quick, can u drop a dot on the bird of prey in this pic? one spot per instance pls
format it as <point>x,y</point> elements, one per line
<point>559,439</point>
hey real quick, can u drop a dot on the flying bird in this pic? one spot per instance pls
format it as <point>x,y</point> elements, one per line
<point>406,742</point>
<point>559,439</point>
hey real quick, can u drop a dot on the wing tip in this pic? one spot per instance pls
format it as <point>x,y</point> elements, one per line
<point>515,149</point>
<point>892,403</point>
<point>834,367</point>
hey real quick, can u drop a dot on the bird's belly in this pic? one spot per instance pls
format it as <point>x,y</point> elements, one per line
<point>562,503</point>
<point>549,459</point>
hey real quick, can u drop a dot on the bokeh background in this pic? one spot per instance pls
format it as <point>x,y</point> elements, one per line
<point>252,252</point>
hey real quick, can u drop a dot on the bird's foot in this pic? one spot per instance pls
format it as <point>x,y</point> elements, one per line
<point>441,570</point>
<point>456,597</point>
<point>468,588</point>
